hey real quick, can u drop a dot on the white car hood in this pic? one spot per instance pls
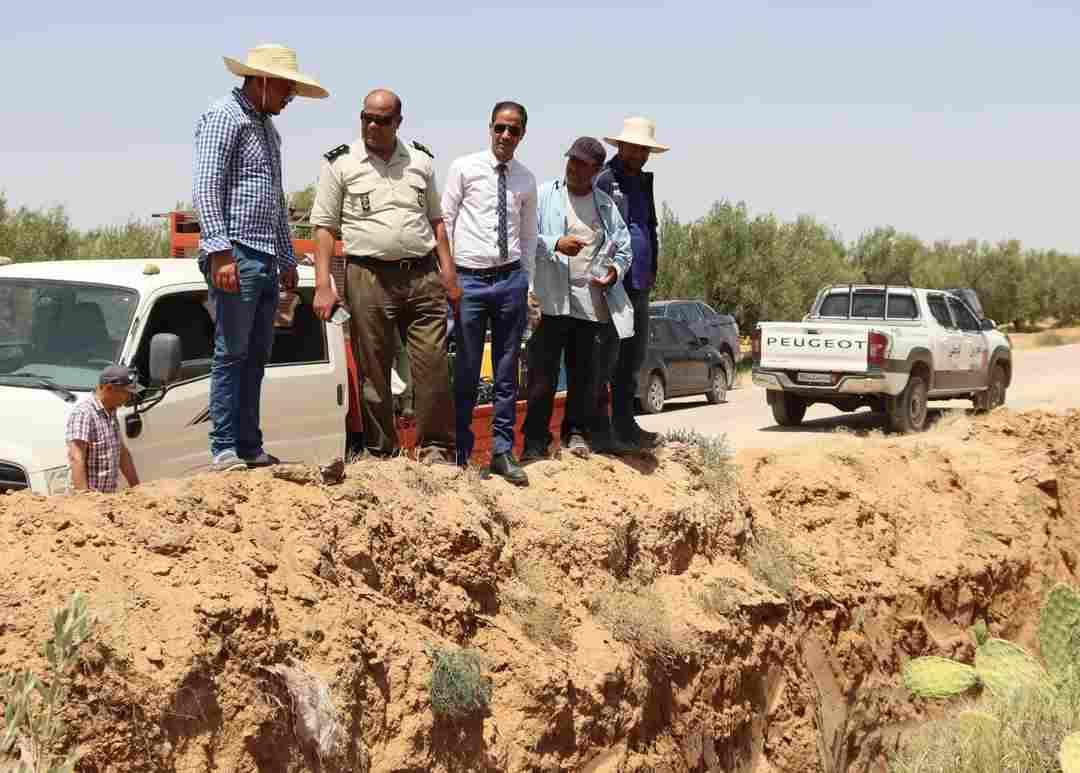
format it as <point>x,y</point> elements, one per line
<point>32,425</point>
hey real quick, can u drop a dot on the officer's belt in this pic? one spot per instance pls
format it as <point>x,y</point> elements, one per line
<point>396,264</point>
<point>491,273</point>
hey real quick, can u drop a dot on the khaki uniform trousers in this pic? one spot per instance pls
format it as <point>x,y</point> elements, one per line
<point>408,298</point>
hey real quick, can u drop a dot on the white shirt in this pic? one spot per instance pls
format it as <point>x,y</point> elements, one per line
<point>469,204</point>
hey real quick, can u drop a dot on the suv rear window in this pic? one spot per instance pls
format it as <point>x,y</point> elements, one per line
<point>869,304</point>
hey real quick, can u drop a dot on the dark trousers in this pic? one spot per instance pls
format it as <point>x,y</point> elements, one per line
<point>624,379</point>
<point>391,301</point>
<point>501,301</point>
<point>554,337</point>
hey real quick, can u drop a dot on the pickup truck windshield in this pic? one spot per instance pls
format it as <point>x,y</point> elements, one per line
<point>59,332</point>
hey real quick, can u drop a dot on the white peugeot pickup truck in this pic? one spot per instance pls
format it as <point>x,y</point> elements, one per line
<point>888,347</point>
<point>62,322</point>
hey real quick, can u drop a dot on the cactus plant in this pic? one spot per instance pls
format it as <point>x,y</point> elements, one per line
<point>934,677</point>
<point>1002,667</point>
<point>1069,753</point>
<point>1059,622</point>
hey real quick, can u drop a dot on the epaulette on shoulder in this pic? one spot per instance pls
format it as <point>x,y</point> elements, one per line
<point>422,148</point>
<point>332,155</point>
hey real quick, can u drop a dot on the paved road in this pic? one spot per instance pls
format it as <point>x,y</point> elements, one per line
<point>1042,378</point>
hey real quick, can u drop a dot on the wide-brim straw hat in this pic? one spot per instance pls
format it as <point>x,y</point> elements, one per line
<point>274,61</point>
<point>638,131</point>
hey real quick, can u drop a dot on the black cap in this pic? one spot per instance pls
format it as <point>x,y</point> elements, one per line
<point>118,375</point>
<point>588,149</point>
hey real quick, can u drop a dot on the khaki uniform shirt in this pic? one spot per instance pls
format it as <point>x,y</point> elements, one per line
<point>383,209</point>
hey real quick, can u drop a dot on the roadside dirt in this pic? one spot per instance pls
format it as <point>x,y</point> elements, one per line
<point>629,616</point>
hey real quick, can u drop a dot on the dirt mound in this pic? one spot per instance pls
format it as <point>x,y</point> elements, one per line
<point>654,615</point>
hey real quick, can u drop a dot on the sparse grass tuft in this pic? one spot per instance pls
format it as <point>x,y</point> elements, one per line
<point>717,458</point>
<point>1018,733</point>
<point>717,599</point>
<point>540,620</point>
<point>459,687</point>
<point>640,619</point>
<point>32,706</point>
<point>1050,338</point>
<point>419,478</point>
<point>772,561</point>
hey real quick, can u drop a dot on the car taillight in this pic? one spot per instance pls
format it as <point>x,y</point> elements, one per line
<point>876,345</point>
<point>755,345</point>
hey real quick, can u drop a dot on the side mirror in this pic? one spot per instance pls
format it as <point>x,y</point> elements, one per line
<point>989,324</point>
<point>165,359</point>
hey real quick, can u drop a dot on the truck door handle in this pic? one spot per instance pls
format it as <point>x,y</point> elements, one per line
<point>955,351</point>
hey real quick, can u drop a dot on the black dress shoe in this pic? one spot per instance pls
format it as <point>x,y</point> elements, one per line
<point>507,466</point>
<point>613,446</point>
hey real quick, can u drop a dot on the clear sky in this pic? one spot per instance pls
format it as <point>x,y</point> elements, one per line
<point>950,120</point>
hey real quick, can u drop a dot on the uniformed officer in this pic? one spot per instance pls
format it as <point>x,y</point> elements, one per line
<point>381,195</point>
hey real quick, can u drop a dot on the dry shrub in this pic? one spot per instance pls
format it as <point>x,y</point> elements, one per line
<point>640,619</point>
<point>717,458</point>
<point>459,687</point>
<point>719,599</point>
<point>771,560</point>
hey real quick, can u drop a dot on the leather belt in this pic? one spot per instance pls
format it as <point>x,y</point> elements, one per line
<point>400,264</point>
<point>491,273</point>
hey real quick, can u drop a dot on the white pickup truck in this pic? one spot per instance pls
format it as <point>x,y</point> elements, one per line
<point>888,347</point>
<point>62,322</point>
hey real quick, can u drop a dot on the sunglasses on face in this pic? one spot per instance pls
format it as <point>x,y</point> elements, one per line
<point>378,120</point>
<point>502,128</point>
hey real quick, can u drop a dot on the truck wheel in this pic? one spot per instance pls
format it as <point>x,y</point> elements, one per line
<point>718,386</point>
<point>994,396</point>
<point>787,409</point>
<point>907,411</point>
<point>654,394</point>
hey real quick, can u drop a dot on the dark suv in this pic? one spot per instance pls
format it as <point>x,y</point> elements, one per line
<point>678,363</point>
<point>721,329</point>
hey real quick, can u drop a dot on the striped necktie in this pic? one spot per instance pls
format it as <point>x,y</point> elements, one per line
<point>504,239</point>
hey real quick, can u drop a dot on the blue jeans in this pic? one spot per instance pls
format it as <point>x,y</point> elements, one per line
<point>502,302</point>
<point>243,338</point>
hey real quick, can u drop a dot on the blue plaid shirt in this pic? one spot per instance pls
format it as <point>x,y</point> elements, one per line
<point>237,190</point>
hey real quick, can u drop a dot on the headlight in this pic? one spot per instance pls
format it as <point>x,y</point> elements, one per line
<point>58,480</point>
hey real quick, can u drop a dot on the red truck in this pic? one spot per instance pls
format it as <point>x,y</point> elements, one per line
<point>184,242</point>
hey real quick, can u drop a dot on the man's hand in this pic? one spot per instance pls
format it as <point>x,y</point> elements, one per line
<point>606,281</point>
<point>290,278</point>
<point>453,290</point>
<point>534,310</point>
<point>569,245</point>
<point>326,298</point>
<point>223,273</point>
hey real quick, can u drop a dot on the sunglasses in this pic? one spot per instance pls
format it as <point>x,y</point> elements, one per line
<point>502,128</point>
<point>378,120</point>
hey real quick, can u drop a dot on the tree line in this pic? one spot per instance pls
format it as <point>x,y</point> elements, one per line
<point>753,266</point>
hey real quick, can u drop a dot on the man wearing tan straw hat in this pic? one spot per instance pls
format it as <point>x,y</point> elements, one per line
<point>632,189</point>
<point>245,249</point>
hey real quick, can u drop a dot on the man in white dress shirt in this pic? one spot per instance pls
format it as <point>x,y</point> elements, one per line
<point>489,207</point>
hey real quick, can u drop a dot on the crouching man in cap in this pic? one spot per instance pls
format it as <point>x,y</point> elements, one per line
<point>582,252</point>
<point>96,450</point>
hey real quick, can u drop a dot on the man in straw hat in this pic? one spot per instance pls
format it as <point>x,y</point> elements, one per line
<point>245,249</point>
<point>632,189</point>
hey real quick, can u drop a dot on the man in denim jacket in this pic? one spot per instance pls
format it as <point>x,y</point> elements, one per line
<point>582,252</point>
<point>632,190</point>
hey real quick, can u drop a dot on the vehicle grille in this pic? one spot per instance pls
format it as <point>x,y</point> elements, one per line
<point>12,477</point>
